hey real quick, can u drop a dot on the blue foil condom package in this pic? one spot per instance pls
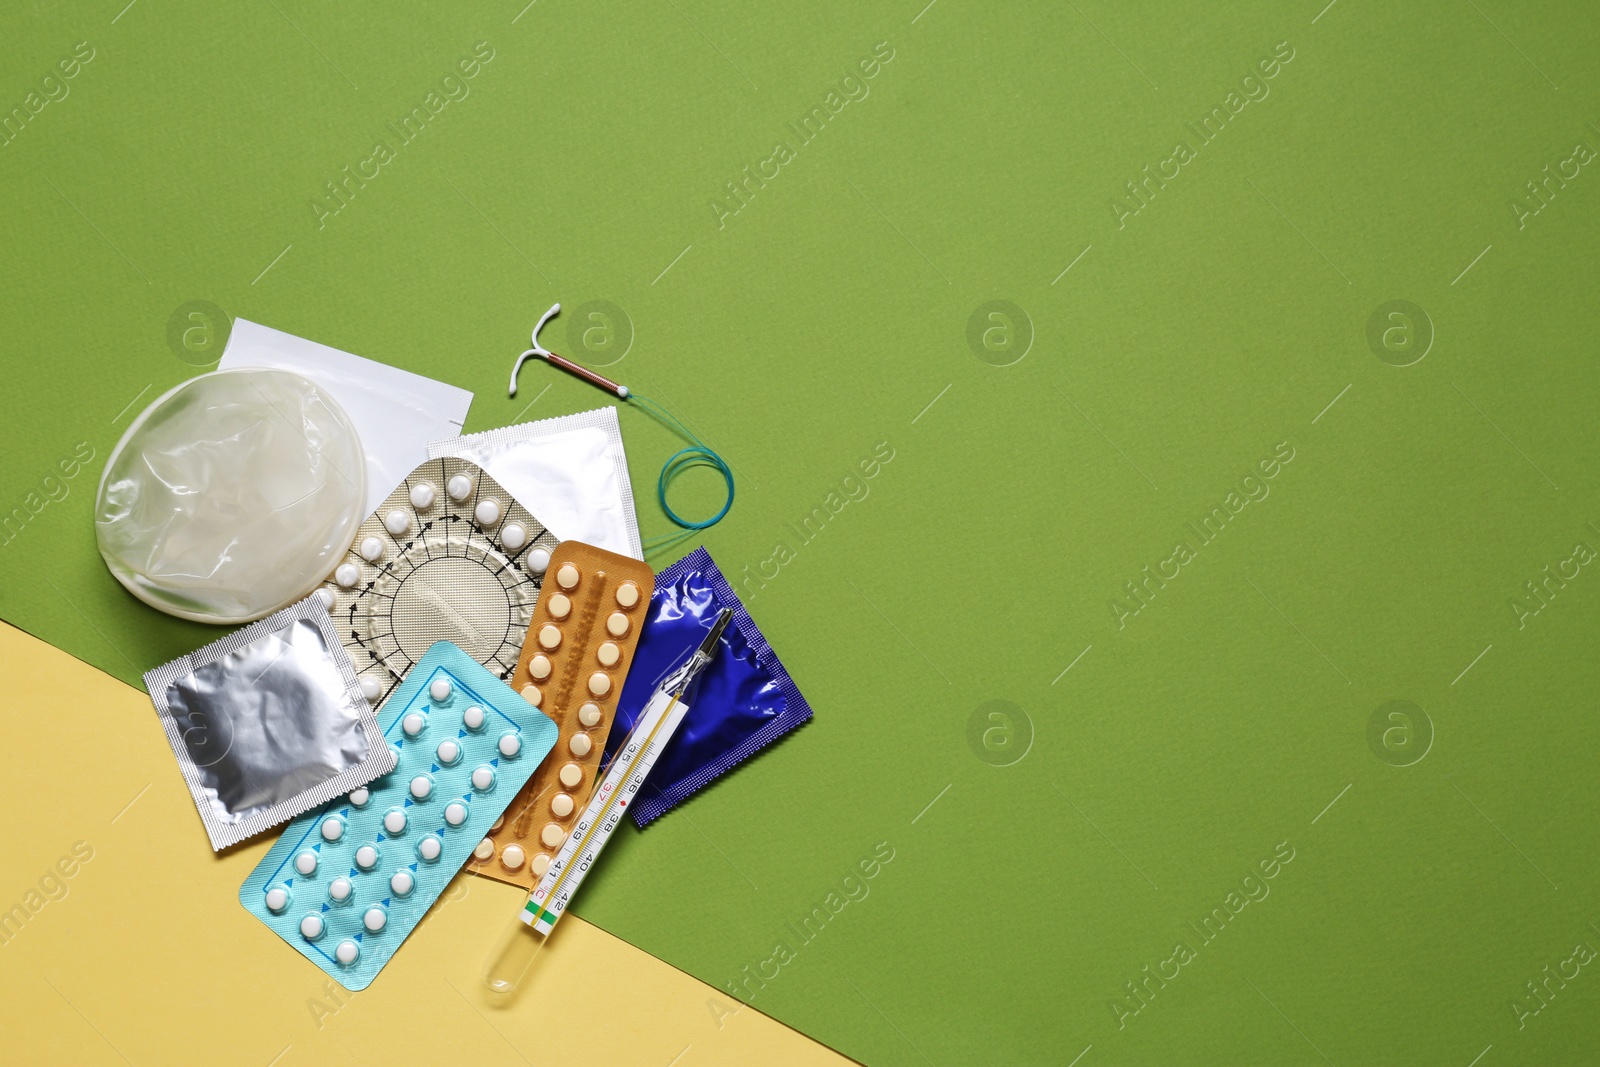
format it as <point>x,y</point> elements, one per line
<point>747,699</point>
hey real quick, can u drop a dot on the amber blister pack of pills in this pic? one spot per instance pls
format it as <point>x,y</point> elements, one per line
<point>573,663</point>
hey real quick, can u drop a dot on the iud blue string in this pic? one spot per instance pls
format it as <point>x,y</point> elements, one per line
<point>698,454</point>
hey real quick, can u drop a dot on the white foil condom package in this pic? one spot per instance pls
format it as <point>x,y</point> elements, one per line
<point>231,495</point>
<point>268,722</point>
<point>571,471</point>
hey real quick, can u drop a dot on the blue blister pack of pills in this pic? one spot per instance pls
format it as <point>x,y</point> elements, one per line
<point>348,882</point>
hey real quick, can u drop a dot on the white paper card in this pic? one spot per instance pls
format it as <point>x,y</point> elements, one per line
<point>396,412</point>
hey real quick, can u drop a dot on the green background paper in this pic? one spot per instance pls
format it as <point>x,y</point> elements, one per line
<point>829,317</point>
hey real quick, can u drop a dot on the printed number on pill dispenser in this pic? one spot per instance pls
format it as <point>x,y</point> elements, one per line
<point>579,646</point>
<point>346,883</point>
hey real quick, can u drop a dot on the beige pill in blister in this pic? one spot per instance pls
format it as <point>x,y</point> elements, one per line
<point>532,694</point>
<point>627,594</point>
<point>571,775</point>
<point>561,805</point>
<point>616,624</point>
<point>560,605</point>
<point>589,714</point>
<point>567,576</point>
<point>512,856</point>
<point>580,745</point>
<point>549,636</point>
<point>484,850</point>
<point>599,684</point>
<point>539,668</point>
<point>540,864</point>
<point>552,835</point>
<point>608,654</point>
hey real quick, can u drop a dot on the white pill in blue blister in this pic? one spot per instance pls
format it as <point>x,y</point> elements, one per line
<point>341,914</point>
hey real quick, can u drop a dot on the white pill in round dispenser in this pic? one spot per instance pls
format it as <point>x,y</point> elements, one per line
<point>447,556</point>
<point>345,885</point>
<point>232,495</point>
<point>579,646</point>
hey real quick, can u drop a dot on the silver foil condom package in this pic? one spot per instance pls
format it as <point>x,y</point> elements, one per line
<point>268,722</point>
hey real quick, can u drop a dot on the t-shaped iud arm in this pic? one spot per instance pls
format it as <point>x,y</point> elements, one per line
<point>620,391</point>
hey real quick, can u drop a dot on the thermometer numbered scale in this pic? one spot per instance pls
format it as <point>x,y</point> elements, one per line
<point>622,782</point>
<point>448,556</point>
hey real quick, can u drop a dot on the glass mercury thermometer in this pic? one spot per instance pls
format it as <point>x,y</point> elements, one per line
<point>511,958</point>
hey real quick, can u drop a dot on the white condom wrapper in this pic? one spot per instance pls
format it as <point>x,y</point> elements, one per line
<point>231,495</point>
<point>571,471</point>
